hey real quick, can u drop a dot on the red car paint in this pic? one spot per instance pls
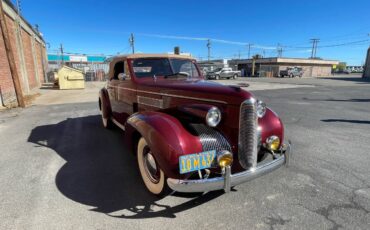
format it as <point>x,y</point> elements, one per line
<point>152,108</point>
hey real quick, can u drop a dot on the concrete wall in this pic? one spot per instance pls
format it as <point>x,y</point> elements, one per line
<point>29,53</point>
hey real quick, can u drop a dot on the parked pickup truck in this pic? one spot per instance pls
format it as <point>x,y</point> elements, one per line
<point>187,134</point>
<point>291,72</point>
<point>223,73</point>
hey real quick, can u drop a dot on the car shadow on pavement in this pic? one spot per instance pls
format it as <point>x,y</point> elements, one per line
<point>101,172</point>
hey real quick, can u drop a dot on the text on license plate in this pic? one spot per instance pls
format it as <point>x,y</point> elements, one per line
<point>197,161</point>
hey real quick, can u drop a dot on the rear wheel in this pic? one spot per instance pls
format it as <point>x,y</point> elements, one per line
<point>291,75</point>
<point>153,176</point>
<point>107,123</point>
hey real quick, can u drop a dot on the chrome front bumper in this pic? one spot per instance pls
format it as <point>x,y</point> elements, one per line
<point>229,180</point>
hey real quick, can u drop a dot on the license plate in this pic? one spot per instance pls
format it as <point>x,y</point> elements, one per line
<point>197,161</point>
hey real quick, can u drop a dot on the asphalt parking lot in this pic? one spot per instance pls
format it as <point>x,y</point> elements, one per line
<point>61,169</point>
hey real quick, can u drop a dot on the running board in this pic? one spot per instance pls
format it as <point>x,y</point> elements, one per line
<point>118,124</point>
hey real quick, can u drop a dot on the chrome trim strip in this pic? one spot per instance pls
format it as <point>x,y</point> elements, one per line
<point>118,124</point>
<point>153,102</point>
<point>173,95</point>
<point>218,183</point>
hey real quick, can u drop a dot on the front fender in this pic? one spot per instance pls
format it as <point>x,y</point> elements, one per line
<point>270,125</point>
<point>166,137</point>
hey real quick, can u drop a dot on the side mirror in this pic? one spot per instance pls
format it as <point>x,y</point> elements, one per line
<point>122,76</point>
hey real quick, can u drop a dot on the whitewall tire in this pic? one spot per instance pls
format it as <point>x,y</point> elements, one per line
<point>153,177</point>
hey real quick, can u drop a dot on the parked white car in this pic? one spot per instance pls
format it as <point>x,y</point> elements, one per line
<point>220,73</point>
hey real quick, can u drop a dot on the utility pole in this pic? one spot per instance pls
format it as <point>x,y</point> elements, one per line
<point>62,53</point>
<point>249,50</point>
<point>132,43</point>
<point>11,59</point>
<point>239,54</point>
<point>209,49</point>
<point>279,51</point>
<point>314,41</point>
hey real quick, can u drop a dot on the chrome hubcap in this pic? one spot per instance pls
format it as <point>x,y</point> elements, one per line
<point>150,165</point>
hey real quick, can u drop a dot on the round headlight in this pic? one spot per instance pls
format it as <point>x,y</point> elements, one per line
<point>213,117</point>
<point>261,108</point>
<point>273,143</point>
<point>224,158</point>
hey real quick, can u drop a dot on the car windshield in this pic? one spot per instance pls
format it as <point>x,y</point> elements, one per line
<point>166,67</point>
<point>218,69</point>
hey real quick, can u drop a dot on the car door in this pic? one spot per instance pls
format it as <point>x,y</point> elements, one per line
<point>227,73</point>
<point>126,94</point>
<point>112,92</point>
<point>223,73</point>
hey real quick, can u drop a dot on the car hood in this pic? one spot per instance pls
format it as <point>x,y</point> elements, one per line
<point>198,90</point>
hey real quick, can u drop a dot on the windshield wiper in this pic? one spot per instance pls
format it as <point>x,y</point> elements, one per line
<point>177,74</point>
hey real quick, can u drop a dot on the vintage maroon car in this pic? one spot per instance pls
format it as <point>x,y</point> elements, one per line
<point>189,135</point>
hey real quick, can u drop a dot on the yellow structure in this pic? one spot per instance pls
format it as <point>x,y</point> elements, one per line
<point>70,78</point>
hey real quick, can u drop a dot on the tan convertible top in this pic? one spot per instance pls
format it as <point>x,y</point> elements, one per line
<point>141,55</point>
<point>113,60</point>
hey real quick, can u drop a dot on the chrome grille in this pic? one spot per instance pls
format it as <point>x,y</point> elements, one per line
<point>210,138</point>
<point>248,139</point>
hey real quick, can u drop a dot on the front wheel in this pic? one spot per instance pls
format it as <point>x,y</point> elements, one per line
<point>235,76</point>
<point>153,176</point>
<point>217,77</point>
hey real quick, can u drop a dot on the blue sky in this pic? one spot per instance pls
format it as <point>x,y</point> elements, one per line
<point>103,27</point>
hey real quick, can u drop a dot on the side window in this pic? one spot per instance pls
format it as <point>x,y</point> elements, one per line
<point>118,68</point>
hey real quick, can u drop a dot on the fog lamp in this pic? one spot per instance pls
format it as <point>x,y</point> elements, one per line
<point>273,143</point>
<point>224,158</point>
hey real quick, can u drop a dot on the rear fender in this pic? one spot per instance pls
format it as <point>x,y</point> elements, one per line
<point>105,102</point>
<point>166,137</point>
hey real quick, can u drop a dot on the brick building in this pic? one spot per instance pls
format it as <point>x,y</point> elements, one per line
<point>28,48</point>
